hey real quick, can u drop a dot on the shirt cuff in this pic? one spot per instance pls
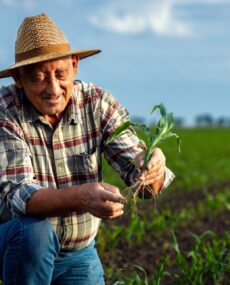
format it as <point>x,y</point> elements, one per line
<point>21,197</point>
<point>169,177</point>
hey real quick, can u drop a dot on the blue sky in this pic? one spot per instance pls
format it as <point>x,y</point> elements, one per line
<point>171,51</point>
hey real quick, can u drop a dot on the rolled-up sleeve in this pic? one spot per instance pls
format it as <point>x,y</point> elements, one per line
<point>21,196</point>
<point>169,177</point>
<point>123,149</point>
<point>17,183</point>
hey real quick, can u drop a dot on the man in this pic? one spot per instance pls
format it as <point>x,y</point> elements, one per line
<point>53,132</point>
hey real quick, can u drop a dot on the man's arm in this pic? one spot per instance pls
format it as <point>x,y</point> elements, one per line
<point>100,199</point>
<point>22,195</point>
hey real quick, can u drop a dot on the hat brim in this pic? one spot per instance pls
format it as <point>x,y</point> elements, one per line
<point>81,54</point>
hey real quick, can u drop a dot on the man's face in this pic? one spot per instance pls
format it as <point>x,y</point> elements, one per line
<point>48,85</point>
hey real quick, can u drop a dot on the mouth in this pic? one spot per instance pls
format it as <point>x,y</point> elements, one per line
<point>53,100</point>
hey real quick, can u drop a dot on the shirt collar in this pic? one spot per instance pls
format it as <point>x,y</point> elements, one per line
<point>73,114</point>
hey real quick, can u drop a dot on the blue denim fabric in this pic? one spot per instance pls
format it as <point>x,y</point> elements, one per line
<point>30,255</point>
<point>81,267</point>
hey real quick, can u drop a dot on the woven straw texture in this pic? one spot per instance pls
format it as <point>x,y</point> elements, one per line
<point>36,32</point>
<point>39,39</point>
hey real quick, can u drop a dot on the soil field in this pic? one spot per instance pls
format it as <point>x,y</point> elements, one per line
<point>195,209</point>
<point>148,253</point>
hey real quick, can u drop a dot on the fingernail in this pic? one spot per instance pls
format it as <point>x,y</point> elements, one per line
<point>122,200</point>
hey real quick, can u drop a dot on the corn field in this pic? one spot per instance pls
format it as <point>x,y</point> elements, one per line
<point>183,237</point>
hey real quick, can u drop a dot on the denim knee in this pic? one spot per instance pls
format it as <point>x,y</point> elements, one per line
<point>39,238</point>
<point>28,247</point>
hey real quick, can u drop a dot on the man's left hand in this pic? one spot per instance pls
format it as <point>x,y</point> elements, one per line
<point>153,174</point>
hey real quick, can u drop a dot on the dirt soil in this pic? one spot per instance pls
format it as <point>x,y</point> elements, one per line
<point>147,259</point>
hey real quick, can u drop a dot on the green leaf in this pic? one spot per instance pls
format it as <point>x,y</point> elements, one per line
<point>175,243</point>
<point>142,281</point>
<point>146,131</point>
<point>161,124</point>
<point>162,109</point>
<point>170,120</point>
<point>153,137</point>
<point>169,135</point>
<point>118,131</point>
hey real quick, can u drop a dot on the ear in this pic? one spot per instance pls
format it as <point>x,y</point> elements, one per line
<point>75,61</point>
<point>17,78</point>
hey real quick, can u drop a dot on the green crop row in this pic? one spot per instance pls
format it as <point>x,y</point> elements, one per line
<point>208,262</point>
<point>142,224</point>
<point>203,160</point>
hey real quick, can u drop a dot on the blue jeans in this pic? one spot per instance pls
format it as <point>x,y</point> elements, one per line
<point>30,255</point>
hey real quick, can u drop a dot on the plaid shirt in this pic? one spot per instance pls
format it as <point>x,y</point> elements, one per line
<point>35,155</point>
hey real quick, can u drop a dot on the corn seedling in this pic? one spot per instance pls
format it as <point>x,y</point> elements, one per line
<point>153,137</point>
<point>139,276</point>
<point>207,262</point>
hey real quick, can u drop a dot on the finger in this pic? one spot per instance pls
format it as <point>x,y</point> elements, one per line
<point>115,215</point>
<point>139,160</point>
<point>154,176</point>
<point>110,215</point>
<point>112,210</point>
<point>113,197</point>
<point>156,158</point>
<point>155,170</point>
<point>110,188</point>
<point>152,179</point>
<point>113,207</point>
<point>156,167</point>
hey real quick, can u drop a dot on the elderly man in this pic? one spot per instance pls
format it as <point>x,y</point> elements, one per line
<point>53,132</point>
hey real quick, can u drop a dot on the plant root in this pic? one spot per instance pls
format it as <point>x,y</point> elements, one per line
<point>135,191</point>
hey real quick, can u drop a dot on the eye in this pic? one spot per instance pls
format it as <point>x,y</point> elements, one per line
<point>62,74</point>
<point>38,78</point>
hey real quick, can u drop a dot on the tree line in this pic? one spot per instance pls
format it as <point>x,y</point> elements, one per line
<point>201,120</point>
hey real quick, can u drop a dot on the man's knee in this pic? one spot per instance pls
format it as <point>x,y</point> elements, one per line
<point>30,247</point>
<point>38,237</point>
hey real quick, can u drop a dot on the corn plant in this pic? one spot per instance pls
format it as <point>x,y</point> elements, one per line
<point>153,137</point>
<point>134,233</point>
<point>139,276</point>
<point>206,263</point>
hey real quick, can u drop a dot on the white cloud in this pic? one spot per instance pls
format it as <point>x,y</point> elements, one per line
<point>130,17</point>
<point>126,24</point>
<point>158,16</point>
<point>162,21</point>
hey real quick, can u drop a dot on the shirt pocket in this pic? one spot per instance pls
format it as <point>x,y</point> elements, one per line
<point>87,163</point>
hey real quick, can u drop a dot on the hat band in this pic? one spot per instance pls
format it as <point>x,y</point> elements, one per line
<point>42,51</point>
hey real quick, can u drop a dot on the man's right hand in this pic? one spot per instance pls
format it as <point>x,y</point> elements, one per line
<point>101,200</point>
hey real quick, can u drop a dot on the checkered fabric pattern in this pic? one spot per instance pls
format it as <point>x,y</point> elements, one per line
<point>34,155</point>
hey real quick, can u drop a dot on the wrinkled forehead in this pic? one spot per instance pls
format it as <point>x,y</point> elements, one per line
<point>60,62</point>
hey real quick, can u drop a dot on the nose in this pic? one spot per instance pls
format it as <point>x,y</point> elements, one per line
<point>53,87</point>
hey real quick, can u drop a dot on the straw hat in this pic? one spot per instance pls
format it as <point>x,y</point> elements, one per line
<point>39,39</point>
